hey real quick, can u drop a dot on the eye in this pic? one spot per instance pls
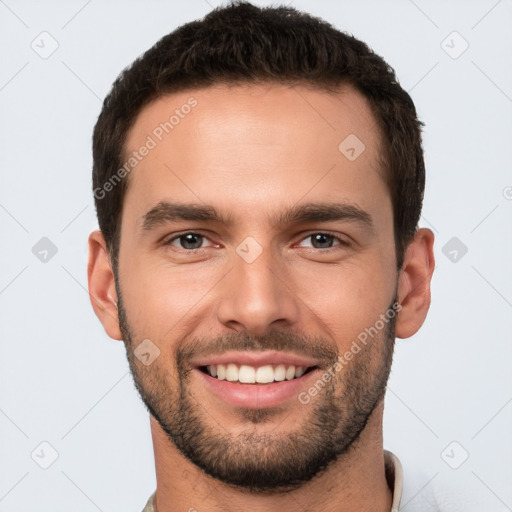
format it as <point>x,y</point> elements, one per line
<point>188,241</point>
<point>324,241</point>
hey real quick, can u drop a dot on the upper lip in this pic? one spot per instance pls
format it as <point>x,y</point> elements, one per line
<point>256,359</point>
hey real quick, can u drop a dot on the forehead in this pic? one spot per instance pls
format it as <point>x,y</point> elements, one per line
<point>254,142</point>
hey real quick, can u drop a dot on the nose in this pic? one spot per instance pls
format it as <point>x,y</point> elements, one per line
<point>257,297</point>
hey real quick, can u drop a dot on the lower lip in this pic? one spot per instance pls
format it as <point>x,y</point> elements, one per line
<point>256,396</point>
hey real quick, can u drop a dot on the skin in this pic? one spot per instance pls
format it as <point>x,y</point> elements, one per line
<point>251,152</point>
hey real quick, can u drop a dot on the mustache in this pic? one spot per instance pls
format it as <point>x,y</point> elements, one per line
<point>312,347</point>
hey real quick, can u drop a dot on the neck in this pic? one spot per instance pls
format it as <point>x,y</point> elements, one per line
<point>355,482</point>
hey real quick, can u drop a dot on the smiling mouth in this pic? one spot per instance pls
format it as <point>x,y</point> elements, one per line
<point>245,374</point>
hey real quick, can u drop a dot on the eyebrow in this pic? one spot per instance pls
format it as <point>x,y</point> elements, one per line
<point>165,212</point>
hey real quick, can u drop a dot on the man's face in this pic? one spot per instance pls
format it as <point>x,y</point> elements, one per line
<point>269,284</point>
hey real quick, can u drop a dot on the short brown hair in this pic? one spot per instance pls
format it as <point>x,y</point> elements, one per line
<point>242,43</point>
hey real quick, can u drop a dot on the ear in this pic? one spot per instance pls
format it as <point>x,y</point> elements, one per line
<point>102,290</point>
<point>414,283</point>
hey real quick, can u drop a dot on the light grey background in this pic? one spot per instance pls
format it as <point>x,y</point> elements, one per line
<point>64,382</point>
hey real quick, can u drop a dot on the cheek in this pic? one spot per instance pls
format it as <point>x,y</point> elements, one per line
<point>346,299</point>
<point>161,300</point>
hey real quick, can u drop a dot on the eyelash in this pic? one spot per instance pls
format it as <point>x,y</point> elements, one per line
<point>342,242</point>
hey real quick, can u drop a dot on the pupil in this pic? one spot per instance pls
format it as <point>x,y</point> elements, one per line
<point>321,239</point>
<point>189,239</point>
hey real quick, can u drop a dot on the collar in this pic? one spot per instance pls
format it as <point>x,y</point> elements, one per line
<point>395,478</point>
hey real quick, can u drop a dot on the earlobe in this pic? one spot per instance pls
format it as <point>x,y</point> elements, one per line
<point>414,283</point>
<point>102,290</point>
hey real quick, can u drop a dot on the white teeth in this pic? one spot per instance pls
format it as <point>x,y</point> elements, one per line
<point>280,372</point>
<point>265,374</point>
<point>290,373</point>
<point>247,374</point>
<point>232,372</point>
<point>299,371</point>
<point>250,375</point>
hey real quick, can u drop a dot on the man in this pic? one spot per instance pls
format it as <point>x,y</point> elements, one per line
<point>258,178</point>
